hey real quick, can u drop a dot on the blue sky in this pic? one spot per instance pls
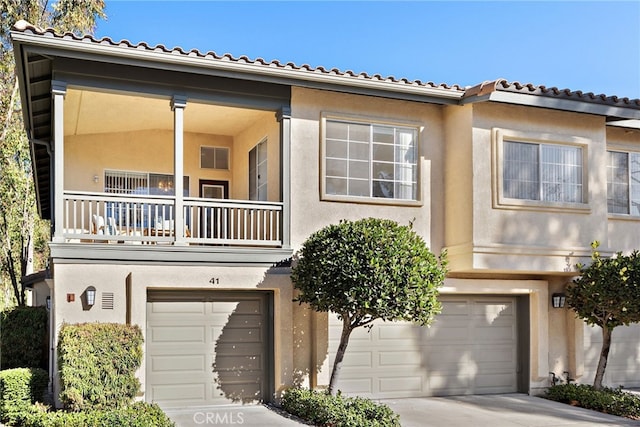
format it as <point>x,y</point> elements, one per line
<point>592,46</point>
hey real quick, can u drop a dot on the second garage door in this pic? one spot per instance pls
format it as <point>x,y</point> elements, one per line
<point>623,363</point>
<point>207,348</point>
<point>472,348</point>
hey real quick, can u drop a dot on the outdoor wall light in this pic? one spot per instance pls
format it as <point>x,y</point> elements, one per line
<point>558,300</point>
<point>95,178</point>
<point>48,300</point>
<point>91,296</point>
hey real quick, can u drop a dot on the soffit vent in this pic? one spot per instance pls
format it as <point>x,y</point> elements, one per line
<point>107,300</point>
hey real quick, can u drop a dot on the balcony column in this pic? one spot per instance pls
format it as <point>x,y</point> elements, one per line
<point>58,91</point>
<point>178,104</point>
<point>284,117</point>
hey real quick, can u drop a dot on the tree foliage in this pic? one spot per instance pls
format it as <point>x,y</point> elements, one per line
<point>366,270</point>
<point>22,235</point>
<point>607,294</point>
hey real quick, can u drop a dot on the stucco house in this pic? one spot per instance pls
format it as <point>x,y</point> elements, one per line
<point>180,183</point>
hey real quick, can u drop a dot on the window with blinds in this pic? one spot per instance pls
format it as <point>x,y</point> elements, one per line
<point>545,172</point>
<point>623,183</point>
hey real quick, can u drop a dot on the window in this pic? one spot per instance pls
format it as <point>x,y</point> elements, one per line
<point>370,160</point>
<point>623,183</point>
<point>544,172</point>
<point>214,158</point>
<point>139,183</point>
<point>157,184</point>
<point>258,172</point>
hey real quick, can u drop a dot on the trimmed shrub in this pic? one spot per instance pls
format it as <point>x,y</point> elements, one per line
<point>23,338</point>
<point>98,363</point>
<point>614,401</point>
<point>19,389</point>
<point>323,409</point>
<point>140,414</point>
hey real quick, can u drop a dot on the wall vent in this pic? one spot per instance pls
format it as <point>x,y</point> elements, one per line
<point>107,300</point>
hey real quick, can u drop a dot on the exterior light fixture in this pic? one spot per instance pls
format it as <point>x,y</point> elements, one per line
<point>48,300</point>
<point>91,296</point>
<point>558,300</point>
<point>95,178</point>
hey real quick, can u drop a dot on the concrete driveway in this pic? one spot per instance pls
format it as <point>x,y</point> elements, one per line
<point>504,410</point>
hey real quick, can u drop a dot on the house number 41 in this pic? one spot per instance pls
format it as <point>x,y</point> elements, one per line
<point>214,281</point>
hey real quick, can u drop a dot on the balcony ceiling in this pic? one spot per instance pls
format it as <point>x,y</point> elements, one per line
<point>88,112</point>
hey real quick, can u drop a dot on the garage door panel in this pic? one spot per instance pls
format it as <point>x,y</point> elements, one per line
<point>172,334</point>
<point>387,359</point>
<point>471,348</point>
<point>358,359</point>
<point>178,363</point>
<point>450,335</point>
<point>181,393</point>
<point>492,309</point>
<point>400,384</point>
<point>248,364</point>
<point>397,332</point>
<point>455,308</point>
<point>207,352</point>
<point>194,308</point>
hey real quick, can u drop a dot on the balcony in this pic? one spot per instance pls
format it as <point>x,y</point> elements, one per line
<point>133,219</point>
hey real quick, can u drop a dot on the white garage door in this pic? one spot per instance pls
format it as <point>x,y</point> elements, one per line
<point>470,349</point>
<point>206,352</point>
<point>623,364</point>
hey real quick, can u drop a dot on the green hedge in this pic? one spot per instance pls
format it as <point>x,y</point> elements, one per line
<point>23,338</point>
<point>612,401</point>
<point>139,414</point>
<point>323,409</point>
<point>97,364</point>
<point>19,389</point>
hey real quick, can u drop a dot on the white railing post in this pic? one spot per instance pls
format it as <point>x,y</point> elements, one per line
<point>284,117</point>
<point>178,104</point>
<point>58,90</point>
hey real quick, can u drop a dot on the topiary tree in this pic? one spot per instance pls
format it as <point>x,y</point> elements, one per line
<point>366,270</point>
<point>607,294</point>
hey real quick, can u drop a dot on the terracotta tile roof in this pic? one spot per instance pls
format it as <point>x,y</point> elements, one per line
<point>25,27</point>
<point>485,88</point>
<point>502,85</point>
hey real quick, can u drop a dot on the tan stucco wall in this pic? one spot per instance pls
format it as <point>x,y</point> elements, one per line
<point>87,156</point>
<point>75,278</point>
<point>459,175</point>
<point>309,213</point>
<point>524,238</point>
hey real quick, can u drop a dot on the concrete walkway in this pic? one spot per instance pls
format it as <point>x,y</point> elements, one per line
<point>231,415</point>
<point>504,410</point>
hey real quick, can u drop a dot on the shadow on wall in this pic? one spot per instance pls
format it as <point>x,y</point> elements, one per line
<point>244,359</point>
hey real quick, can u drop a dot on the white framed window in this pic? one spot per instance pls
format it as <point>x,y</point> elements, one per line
<point>623,183</point>
<point>214,158</point>
<point>367,160</point>
<point>540,170</point>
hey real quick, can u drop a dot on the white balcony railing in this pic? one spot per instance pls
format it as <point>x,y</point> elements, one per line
<point>92,217</point>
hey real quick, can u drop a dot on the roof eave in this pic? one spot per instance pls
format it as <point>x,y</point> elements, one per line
<point>609,111</point>
<point>291,76</point>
